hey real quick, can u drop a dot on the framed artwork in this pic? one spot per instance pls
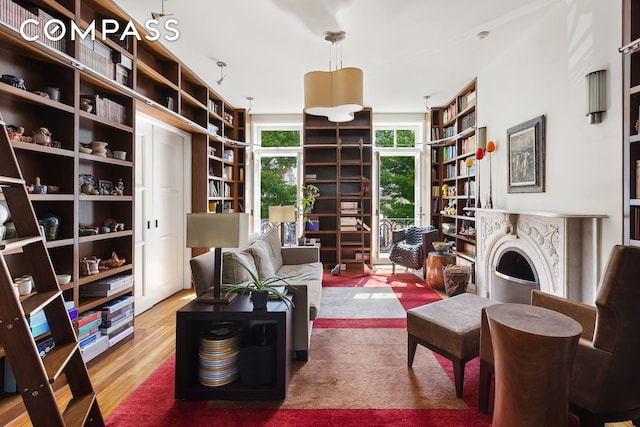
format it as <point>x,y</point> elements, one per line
<point>525,145</point>
<point>106,187</point>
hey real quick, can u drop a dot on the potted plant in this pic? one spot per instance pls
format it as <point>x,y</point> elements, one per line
<point>260,289</point>
<point>307,201</point>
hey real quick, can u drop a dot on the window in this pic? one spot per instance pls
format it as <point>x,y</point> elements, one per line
<point>277,173</point>
<point>395,138</point>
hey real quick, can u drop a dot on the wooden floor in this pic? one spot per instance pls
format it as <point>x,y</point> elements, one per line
<point>122,371</point>
<point>117,375</point>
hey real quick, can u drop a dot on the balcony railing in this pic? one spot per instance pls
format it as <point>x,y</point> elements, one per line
<point>386,227</point>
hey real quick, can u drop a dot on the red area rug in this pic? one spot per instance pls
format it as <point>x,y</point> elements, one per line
<point>152,404</point>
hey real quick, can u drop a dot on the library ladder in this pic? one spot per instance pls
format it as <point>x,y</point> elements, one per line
<point>36,376</point>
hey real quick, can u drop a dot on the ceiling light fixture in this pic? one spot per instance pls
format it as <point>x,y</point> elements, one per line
<point>250,99</point>
<point>336,94</point>
<point>157,16</point>
<point>426,103</point>
<point>221,64</point>
<point>482,35</point>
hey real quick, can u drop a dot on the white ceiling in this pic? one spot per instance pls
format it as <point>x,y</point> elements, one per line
<point>406,48</point>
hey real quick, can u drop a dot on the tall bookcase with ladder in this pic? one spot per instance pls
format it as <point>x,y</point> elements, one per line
<point>64,362</point>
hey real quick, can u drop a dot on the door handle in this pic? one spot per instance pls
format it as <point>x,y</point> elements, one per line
<point>156,223</point>
<point>148,225</point>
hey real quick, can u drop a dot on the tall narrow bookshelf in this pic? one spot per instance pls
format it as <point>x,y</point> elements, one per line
<point>453,184</point>
<point>354,204</point>
<point>337,159</point>
<point>631,119</point>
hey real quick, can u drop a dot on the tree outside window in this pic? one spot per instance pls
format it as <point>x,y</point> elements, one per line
<point>397,174</point>
<point>278,174</point>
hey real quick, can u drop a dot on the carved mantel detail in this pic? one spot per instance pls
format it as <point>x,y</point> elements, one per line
<point>547,238</point>
<point>564,249</point>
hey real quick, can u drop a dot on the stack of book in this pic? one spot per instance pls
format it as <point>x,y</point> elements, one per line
<point>117,319</point>
<point>349,208</point>
<point>107,287</point>
<point>89,336</point>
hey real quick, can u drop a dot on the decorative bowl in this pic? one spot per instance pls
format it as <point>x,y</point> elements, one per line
<point>440,246</point>
<point>63,279</point>
<point>121,155</point>
<point>85,150</point>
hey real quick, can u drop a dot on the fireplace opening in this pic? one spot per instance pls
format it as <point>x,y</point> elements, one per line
<point>514,277</point>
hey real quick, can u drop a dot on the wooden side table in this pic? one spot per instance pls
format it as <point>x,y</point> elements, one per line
<point>533,350</point>
<point>195,318</point>
<point>435,262</point>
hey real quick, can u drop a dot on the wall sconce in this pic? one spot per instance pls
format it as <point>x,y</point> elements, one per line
<point>481,138</point>
<point>596,95</point>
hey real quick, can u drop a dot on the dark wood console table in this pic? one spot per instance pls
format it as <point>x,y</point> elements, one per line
<point>196,318</point>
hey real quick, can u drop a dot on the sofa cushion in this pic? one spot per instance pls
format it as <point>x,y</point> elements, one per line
<point>232,271</point>
<point>272,238</point>
<point>309,275</point>
<point>262,257</point>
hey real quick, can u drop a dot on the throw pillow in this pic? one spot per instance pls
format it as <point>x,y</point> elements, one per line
<point>232,271</point>
<point>272,238</point>
<point>262,257</point>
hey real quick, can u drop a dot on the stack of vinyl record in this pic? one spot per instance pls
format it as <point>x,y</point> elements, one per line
<point>218,355</point>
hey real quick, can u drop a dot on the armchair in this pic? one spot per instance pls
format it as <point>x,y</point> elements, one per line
<point>410,246</point>
<point>606,372</point>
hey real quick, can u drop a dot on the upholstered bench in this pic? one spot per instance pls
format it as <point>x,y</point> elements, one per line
<point>451,328</point>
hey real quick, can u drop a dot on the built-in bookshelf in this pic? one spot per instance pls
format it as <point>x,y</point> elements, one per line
<point>631,120</point>
<point>453,181</point>
<point>337,160</point>
<point>86,92</point>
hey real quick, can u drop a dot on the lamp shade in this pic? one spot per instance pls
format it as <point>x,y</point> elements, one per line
<point>334,94</point>
<point>282,213</point>
<point>217,230</point>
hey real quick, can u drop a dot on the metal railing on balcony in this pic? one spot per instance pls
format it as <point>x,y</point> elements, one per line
<point>386,227</point>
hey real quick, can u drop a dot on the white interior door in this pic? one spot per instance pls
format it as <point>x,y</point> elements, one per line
<point>159,212</point>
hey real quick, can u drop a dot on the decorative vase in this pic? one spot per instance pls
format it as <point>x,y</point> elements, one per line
<point>51,225</point>
<point>259,300</point>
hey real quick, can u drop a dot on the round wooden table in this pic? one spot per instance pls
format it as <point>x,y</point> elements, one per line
<point>435,262</point>
<point>533,350</point>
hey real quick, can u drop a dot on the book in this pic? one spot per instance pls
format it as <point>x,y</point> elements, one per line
<point>119,337</point>
<point>117,327</point>
<point>103,293</point>
<point>116,304</point>
<point>87,317</point>
<point>110,283</point>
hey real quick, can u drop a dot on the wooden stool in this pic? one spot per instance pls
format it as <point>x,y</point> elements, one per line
<point>451,328</point>
<point>435,262</point>
<point>533,351</point>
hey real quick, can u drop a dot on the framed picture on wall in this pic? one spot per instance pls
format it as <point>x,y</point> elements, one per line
<point>525,145</point>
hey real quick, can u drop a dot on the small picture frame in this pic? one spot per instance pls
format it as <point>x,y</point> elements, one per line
<point>526,154</point>
<point>105,187</point>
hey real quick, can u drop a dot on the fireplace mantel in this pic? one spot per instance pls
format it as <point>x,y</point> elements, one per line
<point>564,248</point>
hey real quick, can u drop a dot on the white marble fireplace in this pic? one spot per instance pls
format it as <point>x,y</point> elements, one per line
<point>563,250</point>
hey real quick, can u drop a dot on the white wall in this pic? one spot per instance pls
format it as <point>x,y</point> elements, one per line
<point>543,73</point>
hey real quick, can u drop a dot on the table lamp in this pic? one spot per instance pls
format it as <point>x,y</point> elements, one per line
<point>217,230</point>
<point>282,214</point>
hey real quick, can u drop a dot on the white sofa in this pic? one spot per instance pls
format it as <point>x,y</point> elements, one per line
<point>266,256</point>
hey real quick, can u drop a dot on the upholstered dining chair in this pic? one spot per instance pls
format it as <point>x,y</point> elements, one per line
<point>606,370</point>
<point>409,246</point>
